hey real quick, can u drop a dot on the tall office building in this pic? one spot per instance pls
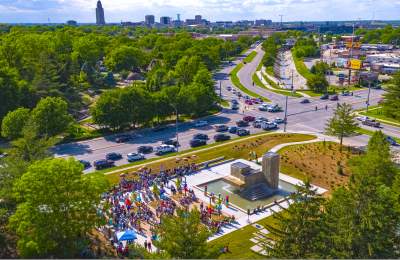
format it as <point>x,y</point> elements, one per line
<point>165,20</point>
<point>198,19</point>
<point>149,20</point>
<point>100,14</point>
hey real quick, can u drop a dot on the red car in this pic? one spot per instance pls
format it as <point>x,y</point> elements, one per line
<point>249,118</point>
<point>255,101</point>
<point>248,102</point>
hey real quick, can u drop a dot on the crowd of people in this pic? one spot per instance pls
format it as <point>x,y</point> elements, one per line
<point>127,205</point>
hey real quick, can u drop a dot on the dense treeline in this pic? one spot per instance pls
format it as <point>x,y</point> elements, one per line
<point>360,220</point>
<point>306,47</point>
<point>388,35</point>
<point>73,63</point>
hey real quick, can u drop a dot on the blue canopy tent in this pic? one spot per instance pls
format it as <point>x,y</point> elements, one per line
<point>127,235</point>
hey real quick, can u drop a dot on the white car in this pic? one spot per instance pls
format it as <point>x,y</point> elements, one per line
<point>279,120</point>
<point>164,148</point>
<point>132,157</point>
<point>362,118</point>
<point>201,123</point>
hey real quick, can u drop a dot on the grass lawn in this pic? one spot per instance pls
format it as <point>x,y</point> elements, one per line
<point>318,162</point>
<point>301,67</point>
<point>239,85</point>
<point>236,149</point>
<point>239,241</point>
<point>273,85</point>
<point>250,57</point>
<point>377,113</point>
<point>310,93</point>
<point>363,131</point>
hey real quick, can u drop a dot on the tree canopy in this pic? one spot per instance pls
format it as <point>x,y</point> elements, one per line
<point>57,206</point>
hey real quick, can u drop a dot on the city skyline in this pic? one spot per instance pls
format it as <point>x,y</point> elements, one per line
<point>59,11</point>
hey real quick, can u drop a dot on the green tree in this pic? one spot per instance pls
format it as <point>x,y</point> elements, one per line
<point>125,58</point>
<point>342,123</point>
<point>318,83</point>
<point>391,104</point>
<point>363,218</point>
<point>298,228</point>
<point>9,86</point>
<point>186,69</point>
<point>14,122</point>
<point>320,68</point>
<point>57,207</point>
<point>51,116</point>
<point>184,236</point>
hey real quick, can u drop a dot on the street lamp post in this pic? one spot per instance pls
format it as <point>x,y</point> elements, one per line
<point>176,128</point>
<point>220,89</point>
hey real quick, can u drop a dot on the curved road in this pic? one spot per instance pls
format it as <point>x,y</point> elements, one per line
<point>302,117</point>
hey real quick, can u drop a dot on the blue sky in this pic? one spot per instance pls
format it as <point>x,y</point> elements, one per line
<point>36,11</point>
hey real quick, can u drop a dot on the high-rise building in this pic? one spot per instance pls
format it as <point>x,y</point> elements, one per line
<point>165,20</point>
<point>198,19</point>
<point>149,20</point>
<point>100,14</point>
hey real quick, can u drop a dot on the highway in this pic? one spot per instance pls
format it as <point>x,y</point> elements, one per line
<point>302,117</point>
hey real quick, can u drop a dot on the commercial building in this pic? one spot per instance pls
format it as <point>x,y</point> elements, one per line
<point>149,20</point>
<point>263,22</point>
<point>100,20</point>
<point>165,20</point>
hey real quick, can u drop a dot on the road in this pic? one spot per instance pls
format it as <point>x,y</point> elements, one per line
<point>302,117</point>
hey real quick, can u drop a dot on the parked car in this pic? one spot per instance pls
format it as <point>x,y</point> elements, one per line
<point>258,123</point>
<point>232,129</point>
<point>86,164</point>
<point>371,122</point>
<point>229,88</point>
<point>324,97</point>
<point>263,107</point>
<point>347,93</point>
<point>242,123</point>
<point>173,142</point>
<point>242,132</point>
<point>274,108</point>
<point>249,118</point>
<point>305,101</point>
<point>133,157</point>
<point>103,164</point>
<point>164,149</point>
<point>261,118</point>
<point>221,137</point>
<point>123,138</point>
<point>197,142</point>
<point>248,102</point>
<point>221,128</point>
<point>362,118</point>
<point>279,120</point>
<point>145,149</point>
<point>334,98</point>
<point>269,126</point>
<point>256,100</point>
<point>201,123</point>
<point>391,141</point>
<point>113,156</point>
<point>200,136</point>
<point>234,101</point>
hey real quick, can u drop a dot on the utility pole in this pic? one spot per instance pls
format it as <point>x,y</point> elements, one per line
<point>369,92</point>
<point>286,106</point>
<point>351,56</point>
<point>176,129</point>
<point>281,15</point>
<point>220,89</point>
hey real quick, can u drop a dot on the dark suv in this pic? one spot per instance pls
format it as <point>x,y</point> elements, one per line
<point>145,149</point>
<point>102,164</point>
<point>113,156</point>
<point>221,137</point>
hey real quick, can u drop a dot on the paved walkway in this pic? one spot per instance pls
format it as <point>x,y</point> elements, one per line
<point>267,85</point>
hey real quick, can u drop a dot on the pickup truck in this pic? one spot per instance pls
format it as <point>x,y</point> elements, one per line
<point>371,122</point>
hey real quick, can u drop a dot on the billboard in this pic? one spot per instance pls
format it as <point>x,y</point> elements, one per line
<point>355,64</point>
